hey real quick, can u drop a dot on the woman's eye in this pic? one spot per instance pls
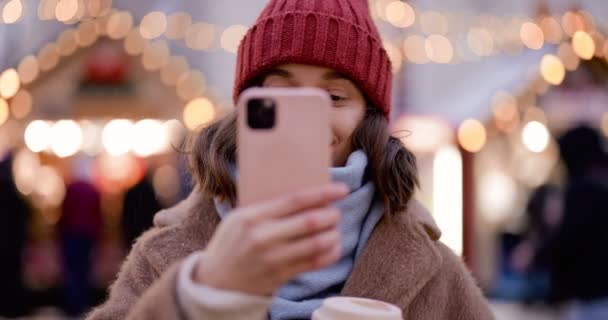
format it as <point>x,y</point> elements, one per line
<point>336,98</point>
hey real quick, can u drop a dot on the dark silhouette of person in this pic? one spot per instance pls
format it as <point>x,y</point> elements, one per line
<point>13,223</point>
<point>580,258</point>
<point>140,206</point>
<point>79,230</point>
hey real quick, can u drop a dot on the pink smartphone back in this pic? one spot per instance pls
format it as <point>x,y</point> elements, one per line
<point>293,155</point>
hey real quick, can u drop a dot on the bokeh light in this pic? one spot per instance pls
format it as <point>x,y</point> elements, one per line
<point>472,135</point>
<point>134,42</point>
<point>400,14</point>
<point>12,11</point>
<point>480,41</point>
<point>532,35</point>
<point>153,25</point>
<point>21,104</point>
<point>552,69</point>
<point>506,113</point>
<point>116,136</point>
<point>156,55</point>
<point>572,22</point>
<point>394,54</point>
<point>191,85</point>
<point>170,73</point>
<point>552,31</point>
<point>48,57</point>
<point>177,25</point>
<point>37,135</point>
<point>119,25</point>
<point>432,22</point>
<point>583,45</point>
<point>49,186</point>
<point>422,134</point>
<point>66,42</point>
<point>25,169</point>
<point>439,49</point>
<point>148,137</point>
<point>46,9</point>
<point>535,136</point>
<point>232,36</point>
<point>166,183</point>
<point>198,112</point>
<point>66,10</point>
<point>174,132</point>
<point>91,132</point>
<point>9,83</point>
<point>86,34</point>
<point>200,36</point>
<point>414,49</point>
<point>28,69</point>
<point>66,138</point>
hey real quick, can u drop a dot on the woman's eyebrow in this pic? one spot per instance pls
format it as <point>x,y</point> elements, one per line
<point>334,75</point>
<point>279,72</point>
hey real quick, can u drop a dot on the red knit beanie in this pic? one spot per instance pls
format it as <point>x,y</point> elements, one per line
<point>336,34</point>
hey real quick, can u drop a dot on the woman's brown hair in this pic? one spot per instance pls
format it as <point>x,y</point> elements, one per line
<point>391,166</point>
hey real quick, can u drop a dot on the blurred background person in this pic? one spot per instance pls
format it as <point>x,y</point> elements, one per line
<point>79,231</point>
<point>140,206</point>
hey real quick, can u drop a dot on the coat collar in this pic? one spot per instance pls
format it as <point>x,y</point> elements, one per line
<point>397,261</point>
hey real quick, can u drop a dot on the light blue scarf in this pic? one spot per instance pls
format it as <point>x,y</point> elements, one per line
<point>361,211</point>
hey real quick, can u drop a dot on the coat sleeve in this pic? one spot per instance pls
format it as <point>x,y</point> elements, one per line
<point>451,294</point>
<point>140,292</point>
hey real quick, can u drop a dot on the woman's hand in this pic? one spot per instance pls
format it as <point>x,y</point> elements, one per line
<point>258,248</point>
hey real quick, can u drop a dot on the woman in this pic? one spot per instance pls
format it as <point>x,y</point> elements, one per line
<point>360,236</point>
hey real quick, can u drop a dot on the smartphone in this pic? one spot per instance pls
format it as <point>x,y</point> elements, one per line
<point>283,141</point>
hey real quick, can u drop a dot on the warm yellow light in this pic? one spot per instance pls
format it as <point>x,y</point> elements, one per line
<point>174,132</point>
<point>191,85</point>
<point>134,42</point>
<point>552,69</point>
<point>433,22</point>
<point>117,136</point>
<point>480,41</point>
<point>87,34</point>
<point>394,54</point>
<point>177,24</point>
<point>21,104</point>
<point>9,83</point>
<point>198,112</point>
<point>48,57</point>
<point>12,11</point>
<point>66,138</point>
<point>472,135</point>
<point>153,25</point>
<point>66,10</point>
<point>531,35</point>
<point>583,45</point>
<point>506,113</point>
<point>50,189</point>
<point>400,14</point>
<point>148,138</point>
<point>414,49</point>
<point>428,134</point>
<point>379,8</point>
<point>173,70</point>
<point>605,124</point>
<point>439,49</point>
<point>566,53</point>
<point>535,114</point>
<point>97,8</point>
<point>232,36</point>
<point>37,135</point>
<point>535,136</point>
<point>156,55</point>
<point>4,112</point>
<point>67,42</point>
<point>551,30</point>
<point>119,25</point>
<point>46,9</point>
<point>200,36</point>
<point>448,196</point>
<point>91,134</point>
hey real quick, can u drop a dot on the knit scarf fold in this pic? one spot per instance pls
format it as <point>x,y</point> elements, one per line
<point>361,211</point>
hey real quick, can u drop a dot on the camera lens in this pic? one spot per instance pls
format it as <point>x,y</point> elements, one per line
<point>261,113</point>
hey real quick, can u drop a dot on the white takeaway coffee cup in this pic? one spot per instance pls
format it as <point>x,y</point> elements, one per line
<point>350,308</point>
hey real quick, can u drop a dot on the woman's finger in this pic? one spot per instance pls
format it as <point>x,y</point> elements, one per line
<point>295,202</point>
<point>304,249</point>
<point>298,225</point>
